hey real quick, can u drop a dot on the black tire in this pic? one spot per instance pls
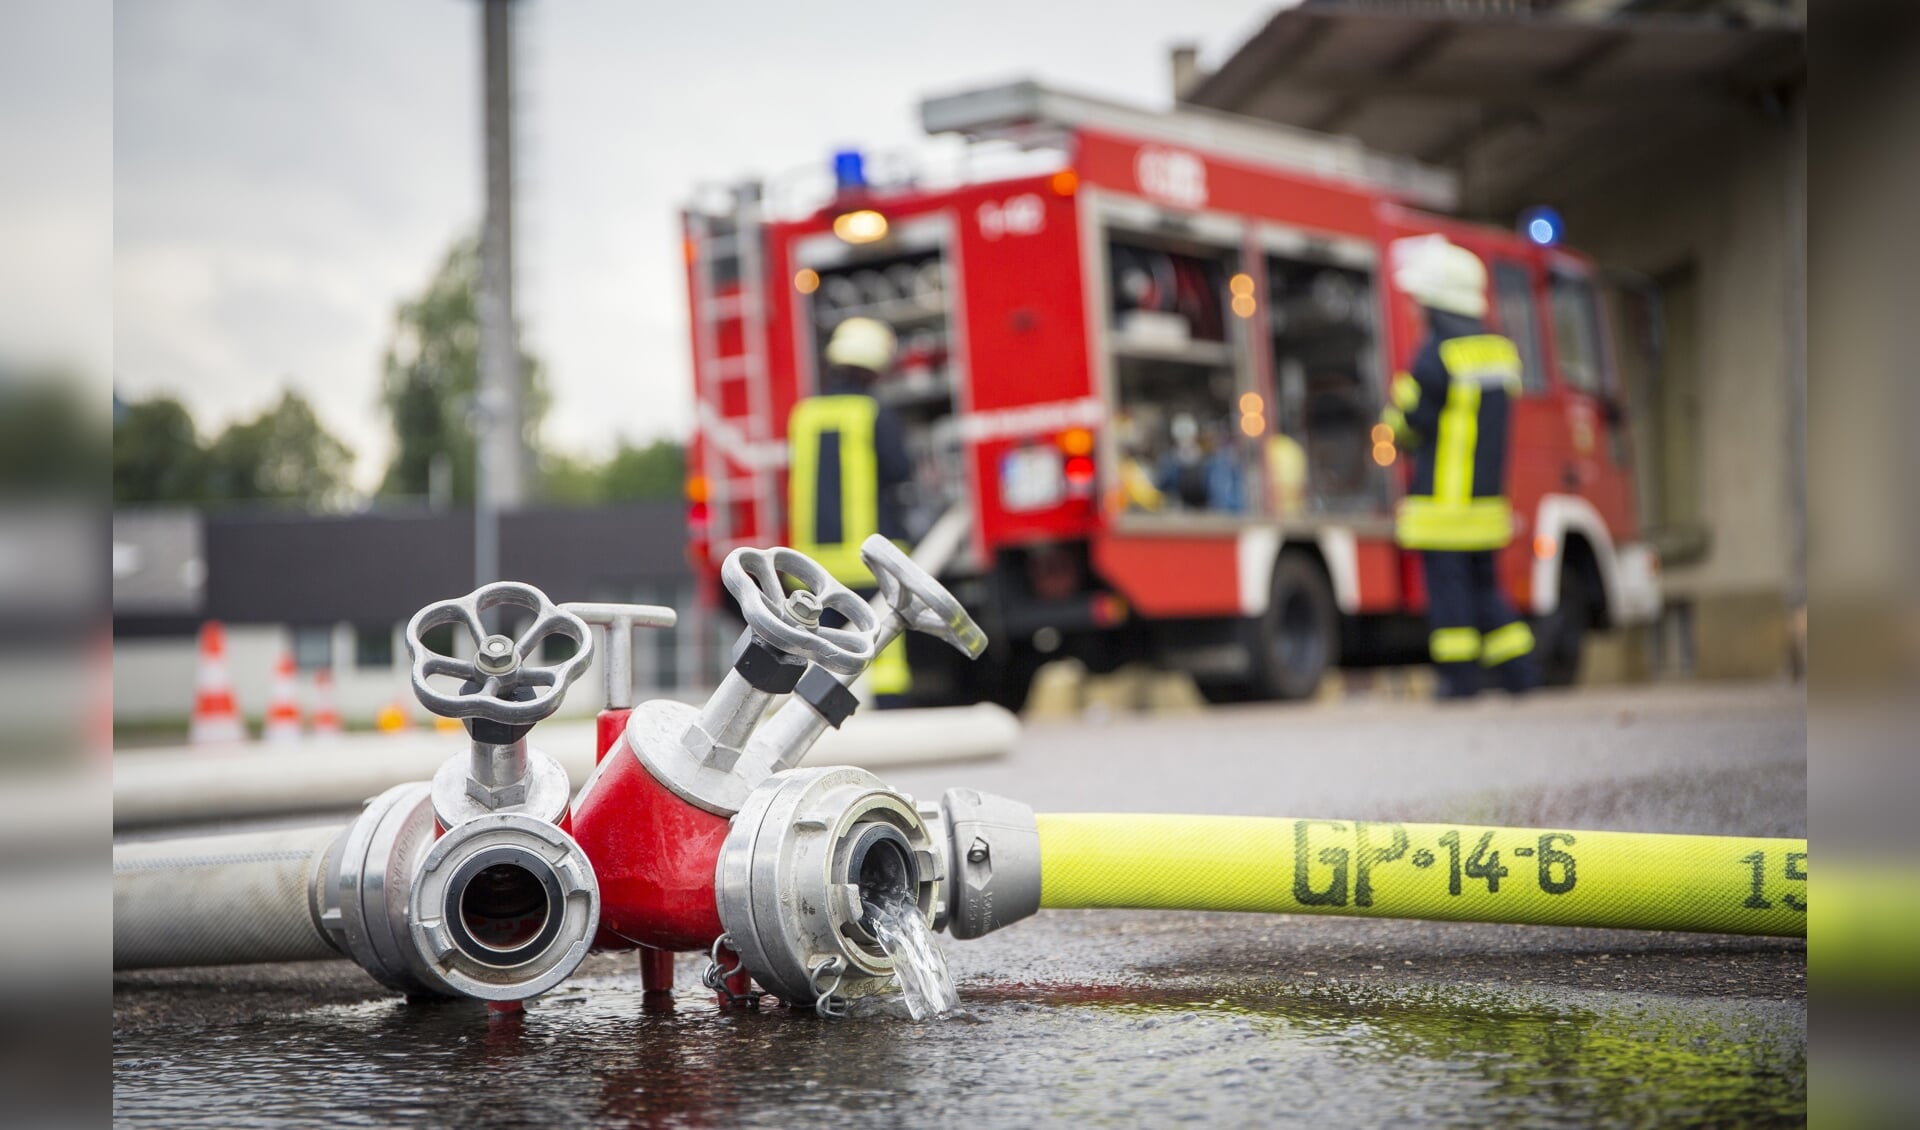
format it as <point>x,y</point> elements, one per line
<point>1298,640</point>
<point>1291,647</point>
<point>1562,633</point>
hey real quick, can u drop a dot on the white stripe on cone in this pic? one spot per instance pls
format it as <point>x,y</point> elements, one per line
<point>326,712</point>
<point>215,718</point>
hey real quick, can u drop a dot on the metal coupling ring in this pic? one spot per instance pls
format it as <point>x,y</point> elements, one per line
<point>505,687</point>
<point>922,603</point>
<point>753,577</point>
<point>504,907</point>
<point>791,873</point>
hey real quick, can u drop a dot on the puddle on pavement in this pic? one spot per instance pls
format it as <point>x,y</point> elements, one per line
<point>596,1052</point>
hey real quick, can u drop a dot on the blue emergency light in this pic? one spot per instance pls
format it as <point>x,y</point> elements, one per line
<point>849,170</point>
<point>1542,225</point>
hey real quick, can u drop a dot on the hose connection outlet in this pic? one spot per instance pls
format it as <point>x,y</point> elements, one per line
<point>502,907</point>
<point>992,849</point>
<point>807,853</point>
<point>505,907</point>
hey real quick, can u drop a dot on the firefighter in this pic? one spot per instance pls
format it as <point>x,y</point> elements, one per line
<point>1450,414</point>
<point>848,472</point>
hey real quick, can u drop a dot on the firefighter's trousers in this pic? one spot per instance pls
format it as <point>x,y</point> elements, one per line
<point>1472,628</point>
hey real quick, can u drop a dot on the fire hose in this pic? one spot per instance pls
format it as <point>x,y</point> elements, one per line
<point>697,831</point>
<point>216,900</point>
<point>1441,872</point>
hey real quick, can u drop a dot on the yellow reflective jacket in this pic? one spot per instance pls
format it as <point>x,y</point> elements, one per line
<point>1450,413</point>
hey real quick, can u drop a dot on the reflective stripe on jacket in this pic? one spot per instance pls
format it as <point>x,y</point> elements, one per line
<point>1450,411</point>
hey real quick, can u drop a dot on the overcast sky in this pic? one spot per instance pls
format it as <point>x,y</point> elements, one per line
<point>285,173</point>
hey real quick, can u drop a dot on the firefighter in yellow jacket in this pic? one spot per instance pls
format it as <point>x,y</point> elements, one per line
<point>1449,412</point>
<point>848,470</point>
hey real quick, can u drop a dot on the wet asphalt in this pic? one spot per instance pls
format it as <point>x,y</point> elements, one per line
<point>1106,1017</point>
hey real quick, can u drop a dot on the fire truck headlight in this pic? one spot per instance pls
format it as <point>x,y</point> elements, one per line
<point>863,226</point>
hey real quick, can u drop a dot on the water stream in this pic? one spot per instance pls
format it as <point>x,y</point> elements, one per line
<point>919,966</point>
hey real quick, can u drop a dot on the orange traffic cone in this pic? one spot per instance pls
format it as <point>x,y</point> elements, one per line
<point>283,704</point>
<point>215,719</point>
<point>326,713</point>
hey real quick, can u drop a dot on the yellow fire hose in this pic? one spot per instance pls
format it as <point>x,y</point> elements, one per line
<point>1449,872</point>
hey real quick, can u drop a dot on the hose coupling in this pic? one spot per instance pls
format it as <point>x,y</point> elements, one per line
<point>808,850</point>
<point>992,849</point>
<point>500,907</point>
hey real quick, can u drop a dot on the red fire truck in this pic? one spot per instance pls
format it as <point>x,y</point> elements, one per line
<point>1149,361</point>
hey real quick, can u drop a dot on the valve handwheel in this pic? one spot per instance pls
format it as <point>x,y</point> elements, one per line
<point>790,623</point>
<point>499,684</point>
<point>922,603</point>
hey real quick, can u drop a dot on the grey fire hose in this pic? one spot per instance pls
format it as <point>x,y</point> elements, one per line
<point>218,900</point>
<point>501,907</point>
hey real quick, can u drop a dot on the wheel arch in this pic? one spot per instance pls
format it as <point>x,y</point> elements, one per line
<point>1567,530</point>
<point>1332,549</point>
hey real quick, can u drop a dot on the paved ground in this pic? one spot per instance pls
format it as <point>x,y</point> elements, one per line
<point>1130,1016</point>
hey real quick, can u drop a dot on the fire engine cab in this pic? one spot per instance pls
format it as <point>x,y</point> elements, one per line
<point>1148,359</point>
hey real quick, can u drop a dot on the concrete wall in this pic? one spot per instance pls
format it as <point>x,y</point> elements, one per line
<point>153,678</point>
<point>1728,207</point>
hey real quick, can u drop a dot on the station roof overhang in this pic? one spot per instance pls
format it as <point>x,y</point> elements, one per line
<point>1528,109</point>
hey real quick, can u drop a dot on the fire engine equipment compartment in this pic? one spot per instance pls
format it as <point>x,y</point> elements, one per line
<point>1322,324</point>
<point>1178,377</point>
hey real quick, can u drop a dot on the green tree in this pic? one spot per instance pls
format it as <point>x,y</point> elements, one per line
<point>634,473</point>
<point>157,455</point>
<point>431,373</point>
<point>283,455</point>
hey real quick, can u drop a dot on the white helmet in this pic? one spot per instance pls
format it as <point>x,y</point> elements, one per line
<point>862,343</point>
<point>1434,271</point>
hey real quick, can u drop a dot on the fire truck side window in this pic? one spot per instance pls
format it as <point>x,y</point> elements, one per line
<point>1322,326</point>
<point>1180,411</point>
<point>1576,333</point>
<point>1513,289</point>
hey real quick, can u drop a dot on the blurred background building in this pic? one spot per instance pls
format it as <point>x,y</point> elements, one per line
<point>337,592</point>
<point>1671,135</point>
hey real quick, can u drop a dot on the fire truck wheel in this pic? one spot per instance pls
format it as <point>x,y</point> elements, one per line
<point>1562,632</point>
<point>1293,645</point>
<point>1299,637</point>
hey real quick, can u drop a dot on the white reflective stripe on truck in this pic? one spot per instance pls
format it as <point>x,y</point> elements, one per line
<point>1031,419</point>
<point>1628,577</point>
